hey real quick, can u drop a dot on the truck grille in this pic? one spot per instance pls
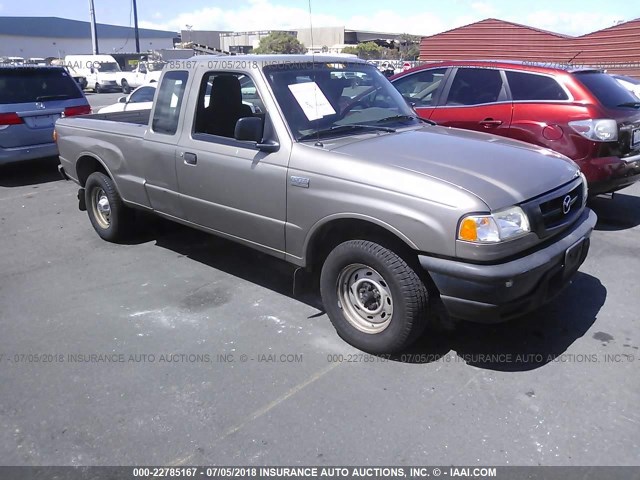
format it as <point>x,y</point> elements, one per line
<point>556,210</point>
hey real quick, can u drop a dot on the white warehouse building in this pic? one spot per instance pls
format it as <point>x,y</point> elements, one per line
<point>44,37</point>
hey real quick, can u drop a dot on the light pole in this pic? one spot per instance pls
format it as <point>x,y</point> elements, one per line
<point>94,31</point>
<point>135,23</point>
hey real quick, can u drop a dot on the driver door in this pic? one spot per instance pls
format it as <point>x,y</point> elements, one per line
<point>227,185</point>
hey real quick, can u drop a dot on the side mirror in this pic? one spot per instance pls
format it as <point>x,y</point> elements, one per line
<point>250,129</point>
<point>122,100</point>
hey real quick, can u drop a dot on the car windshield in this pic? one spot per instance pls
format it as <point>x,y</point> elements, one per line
<point>331,99</point>
<point>108,67</point>
<point>26,85</point>
<point>607,89</point>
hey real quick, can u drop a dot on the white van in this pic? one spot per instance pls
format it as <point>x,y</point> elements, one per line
<point>101,71</point>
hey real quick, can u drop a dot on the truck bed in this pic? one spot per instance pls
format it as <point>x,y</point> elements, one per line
<point>139,117</point>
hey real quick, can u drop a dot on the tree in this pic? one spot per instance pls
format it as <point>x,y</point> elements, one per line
<point>351,50</point>
<point>279,42</point>
<point>409,46</point>
<point>369,50</point>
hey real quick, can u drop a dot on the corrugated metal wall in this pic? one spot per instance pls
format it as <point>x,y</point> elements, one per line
<point>616,48</point>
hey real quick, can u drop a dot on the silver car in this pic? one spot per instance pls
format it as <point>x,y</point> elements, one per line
<point>32,98</point>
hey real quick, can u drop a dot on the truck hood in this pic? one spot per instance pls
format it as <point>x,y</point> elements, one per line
<point>499,171</point>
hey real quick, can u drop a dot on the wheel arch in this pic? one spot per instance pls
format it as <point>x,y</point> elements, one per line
<point>88,164</point>
<point>331,231</point>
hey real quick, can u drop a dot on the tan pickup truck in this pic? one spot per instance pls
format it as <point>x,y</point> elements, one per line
<point>320,162</point>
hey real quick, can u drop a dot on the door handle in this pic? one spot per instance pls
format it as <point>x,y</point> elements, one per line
<point>490,122</point>
<point>190,158</point>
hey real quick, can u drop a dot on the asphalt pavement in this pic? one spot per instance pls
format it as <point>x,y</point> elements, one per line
<point>179,348</point>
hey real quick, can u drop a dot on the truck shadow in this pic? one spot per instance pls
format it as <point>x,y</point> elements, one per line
<point>230,257</point>
<point>620,213</point>
<point>522,344</point>
<point>33,172</point>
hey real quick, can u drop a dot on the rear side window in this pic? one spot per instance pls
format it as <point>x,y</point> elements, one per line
<point>529,86</point>
<point>606,89</point>
<point>169,101</point>
<point>475,86</point>
<point>421,88</point>
<point>28,85</point>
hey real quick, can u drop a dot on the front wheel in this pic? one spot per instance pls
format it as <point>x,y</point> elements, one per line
<point>110,217</point>
<point>125,87</point>
<point>97,88</point>
<point>374,299</point>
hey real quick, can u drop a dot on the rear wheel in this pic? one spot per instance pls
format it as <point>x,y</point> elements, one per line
<point>111,219</point>
<point>374,299</point>
<point>125,86</point>
<point>97,88</point>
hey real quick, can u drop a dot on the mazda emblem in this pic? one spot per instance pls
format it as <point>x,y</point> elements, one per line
<point>566,204</point>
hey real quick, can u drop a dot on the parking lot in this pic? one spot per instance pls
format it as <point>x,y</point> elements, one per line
<point>179,348</point>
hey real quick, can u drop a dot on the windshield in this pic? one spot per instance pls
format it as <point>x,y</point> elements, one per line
<point>155,67</point>
<point>331,99</point>
<point>108,67</point>
<point>607,89</point>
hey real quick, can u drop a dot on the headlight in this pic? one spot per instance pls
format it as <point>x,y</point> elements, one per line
<point>585,189</point>
<point>602,130</point>
<point>497,227</point>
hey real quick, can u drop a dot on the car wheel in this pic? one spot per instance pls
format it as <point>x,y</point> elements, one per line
<point>125,87</point>
<point>374,299</point>
<point>111,219</point>
<point>97,88</point>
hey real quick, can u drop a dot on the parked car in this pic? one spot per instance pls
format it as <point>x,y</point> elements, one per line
<point>584,114</point>
<point>140,99</point>
<point>145,72</point>
<point>396,214</point>
<point>101,72</point>
<point>630,83</point>
<point>32,98</point>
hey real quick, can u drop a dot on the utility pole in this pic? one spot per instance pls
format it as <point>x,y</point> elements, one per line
<point>135,23</point>
<point>94,31</point>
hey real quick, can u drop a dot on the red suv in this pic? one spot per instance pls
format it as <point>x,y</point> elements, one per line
<point>584,114</point>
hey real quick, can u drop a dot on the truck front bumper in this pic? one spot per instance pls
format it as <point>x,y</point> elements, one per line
<point>498,292</point>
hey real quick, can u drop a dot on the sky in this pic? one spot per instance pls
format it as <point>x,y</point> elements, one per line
<point>419,17</point>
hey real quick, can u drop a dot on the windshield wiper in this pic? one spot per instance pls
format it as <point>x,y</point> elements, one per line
<point>406,117</point>
<point>345,128</point>
<point>52,97</point>
<point>630,104</point>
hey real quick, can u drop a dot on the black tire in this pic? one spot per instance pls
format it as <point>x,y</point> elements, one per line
<point>126,89</point>
<point>97,88</point>
<point>409,298</point>
<point>115,226</point>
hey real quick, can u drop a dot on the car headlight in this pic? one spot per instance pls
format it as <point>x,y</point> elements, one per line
<point>497,227</point>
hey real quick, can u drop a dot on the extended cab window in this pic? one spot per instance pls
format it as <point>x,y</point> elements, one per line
<point>475,86</point>
<point>529,86</point>
<point>223,99</point>
<point>421,88</point>
<point>170,95</point>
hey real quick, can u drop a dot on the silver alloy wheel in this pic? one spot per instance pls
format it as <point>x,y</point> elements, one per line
<point>101,207</point>
<point>365,298</point>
